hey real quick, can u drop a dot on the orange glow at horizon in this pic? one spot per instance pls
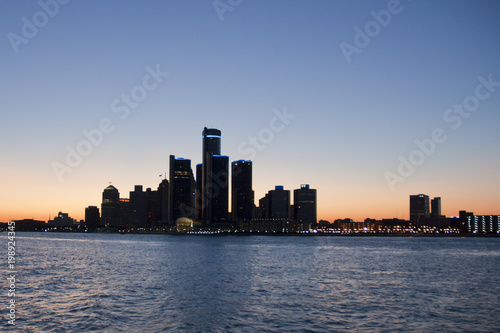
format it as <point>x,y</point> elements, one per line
<point>330,207</point>
<point>41,195</point>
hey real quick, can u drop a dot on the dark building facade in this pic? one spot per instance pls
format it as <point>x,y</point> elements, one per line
<point>242,195</point>
<point>199,192</point>
<point>214,179</point>
<point>220,189</point>
<point>125,213</point>
<point>92,218</point>
<point>63,220</point>
<point>163,197</point>
<point>110,207</point>
<point>153,208</point>
<point>479,224</point>
<point>436,208</point>
<point>305,206</point>
<point>261,212</point>
<point>181,189</point>
<point>211,145</point>
<point>138,206</point>
<point>419,208</point>
<point>278,203</point>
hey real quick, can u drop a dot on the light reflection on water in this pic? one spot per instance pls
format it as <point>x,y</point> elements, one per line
<point>152,283</point>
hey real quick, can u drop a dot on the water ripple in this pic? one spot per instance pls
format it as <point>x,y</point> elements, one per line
<point>160,283</point>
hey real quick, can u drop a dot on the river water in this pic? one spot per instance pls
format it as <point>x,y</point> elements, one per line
<point>164,283</point>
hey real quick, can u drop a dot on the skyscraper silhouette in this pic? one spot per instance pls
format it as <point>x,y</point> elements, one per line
<point>110,207</point>
<point>199,192</point>
<point>92,218</point>
<point>279,203</point>
<point>154,207</point>
<point>138,206</point>
<point>214,178</point>
<point>304,206</point>
<point>163,195</point>
<point>436,208</point>
<point>242,195</point>
<point>220,187</point>
<point>181,189</point>
<point>419,207</point>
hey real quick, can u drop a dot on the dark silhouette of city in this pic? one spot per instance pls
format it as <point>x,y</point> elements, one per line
<point>185,204</point>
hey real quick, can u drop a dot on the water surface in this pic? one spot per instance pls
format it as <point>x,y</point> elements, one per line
<point>152,283</point>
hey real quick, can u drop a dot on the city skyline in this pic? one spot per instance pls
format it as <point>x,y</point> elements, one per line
<point>198,203</point>
<point>367,102</point>
<point>187,198</point>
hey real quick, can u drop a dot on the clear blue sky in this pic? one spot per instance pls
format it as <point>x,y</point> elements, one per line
<point>353,119</point>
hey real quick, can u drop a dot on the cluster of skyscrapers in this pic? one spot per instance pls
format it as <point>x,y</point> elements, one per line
<point>426,212</point>
<point>421,209</point>
<point>203,199</point>
<point>200,200</point>
<point>181,205</point>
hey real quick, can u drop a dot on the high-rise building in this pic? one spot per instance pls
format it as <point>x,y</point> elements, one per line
<point>199,192</point>
<point>153,207</point>
<point>92,218</point>
<point>304,206</point>
<point>163,193</point>
<point>125,213</point>
<point>242,195</point>
<point>419,207</point>
<point>220,187</point>
<point>214,178</point>
<point>436,208</point>
<point>273,214</point>
<point>181,189</point>
<point>110,207</point>
<point>139,206</point>
<point>278,203</point>
<point>261,212</point>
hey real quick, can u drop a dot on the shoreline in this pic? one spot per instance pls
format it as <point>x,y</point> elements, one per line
<point>207,233</point>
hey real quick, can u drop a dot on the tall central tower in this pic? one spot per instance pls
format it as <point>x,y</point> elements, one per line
<point>211,143</point>
<point>215,178</point>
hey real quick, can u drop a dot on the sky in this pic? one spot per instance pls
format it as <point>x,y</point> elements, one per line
<point>367,101</point>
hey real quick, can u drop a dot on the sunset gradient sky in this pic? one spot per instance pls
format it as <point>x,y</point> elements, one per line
<point>234,66</point>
